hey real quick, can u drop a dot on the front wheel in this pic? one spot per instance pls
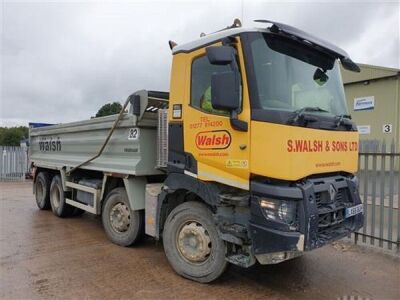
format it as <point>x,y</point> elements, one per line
<point>192,244</point>
<point>122,225</point>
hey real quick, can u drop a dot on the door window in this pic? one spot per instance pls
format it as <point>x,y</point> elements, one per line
<point>201,84</point>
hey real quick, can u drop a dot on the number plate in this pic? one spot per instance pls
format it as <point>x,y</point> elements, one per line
<point>352,211</point>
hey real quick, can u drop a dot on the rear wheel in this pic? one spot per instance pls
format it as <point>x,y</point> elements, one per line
<point>57,199</point>
<point>192,244</point>
<point>42,190</point>
<point>122,225</point>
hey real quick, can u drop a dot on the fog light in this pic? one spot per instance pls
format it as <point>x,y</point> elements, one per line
<point>287,212</point>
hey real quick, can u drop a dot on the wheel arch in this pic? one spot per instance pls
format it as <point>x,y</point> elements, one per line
<point>180,188</point>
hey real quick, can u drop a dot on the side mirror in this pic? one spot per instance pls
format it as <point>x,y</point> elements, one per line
<point>225,86</point>
<point>225,91</point>
<point>220,55</point>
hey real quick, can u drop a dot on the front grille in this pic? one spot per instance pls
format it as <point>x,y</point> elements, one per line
<point>332,222</point>
<point>323,198</point>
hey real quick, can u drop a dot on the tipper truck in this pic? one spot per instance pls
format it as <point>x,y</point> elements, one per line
<point>250,157</point>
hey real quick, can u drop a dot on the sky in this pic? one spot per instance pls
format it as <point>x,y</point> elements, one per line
<point>62,60</point>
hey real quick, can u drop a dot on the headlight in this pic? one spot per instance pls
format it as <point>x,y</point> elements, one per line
<point>279,210</point>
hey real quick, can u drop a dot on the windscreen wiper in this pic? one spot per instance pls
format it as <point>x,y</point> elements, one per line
<point>299,114</point>
<point>344,120</point>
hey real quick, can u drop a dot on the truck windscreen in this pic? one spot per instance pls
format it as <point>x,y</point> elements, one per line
<point>290,77</point>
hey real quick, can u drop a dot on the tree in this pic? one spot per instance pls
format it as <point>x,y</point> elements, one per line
<point>11,136</point>
<point>109,109</point>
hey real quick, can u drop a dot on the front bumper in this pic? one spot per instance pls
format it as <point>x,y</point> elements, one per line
<point>321,204</point>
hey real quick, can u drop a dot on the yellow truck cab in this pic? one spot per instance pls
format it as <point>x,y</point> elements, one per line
<point>250,157</point>
<point>278,154</point>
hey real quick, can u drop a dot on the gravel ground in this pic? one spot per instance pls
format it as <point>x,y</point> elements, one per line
<point>44,257</point>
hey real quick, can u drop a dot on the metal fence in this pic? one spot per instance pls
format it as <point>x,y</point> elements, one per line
<point>13,163</point>
<point>379,190</point>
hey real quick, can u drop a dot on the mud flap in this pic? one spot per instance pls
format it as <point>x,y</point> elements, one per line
<point>136,189</point>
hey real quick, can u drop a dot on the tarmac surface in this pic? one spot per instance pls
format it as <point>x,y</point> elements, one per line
<point>45,257</point>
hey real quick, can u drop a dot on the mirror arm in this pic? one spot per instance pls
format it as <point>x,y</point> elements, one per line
<point>235,122</point>
<point>238,124</point>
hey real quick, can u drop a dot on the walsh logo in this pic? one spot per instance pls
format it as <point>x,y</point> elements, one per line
<point>50,144</point>
<point>211,140</point>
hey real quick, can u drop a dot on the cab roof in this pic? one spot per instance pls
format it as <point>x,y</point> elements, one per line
<point>277,28</point>
<point>212,38</point>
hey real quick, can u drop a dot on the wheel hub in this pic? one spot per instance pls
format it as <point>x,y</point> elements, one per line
<point>193,242</point>
<point>120,217</point>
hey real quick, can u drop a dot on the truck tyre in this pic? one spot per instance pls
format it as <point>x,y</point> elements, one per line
<point>42,191</point>
<point>122,225</point>
<point>57,199</point>
<point>191,243</point>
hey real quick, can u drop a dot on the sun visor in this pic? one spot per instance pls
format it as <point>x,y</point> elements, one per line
<point>308,39</point>
<point>350,65</point>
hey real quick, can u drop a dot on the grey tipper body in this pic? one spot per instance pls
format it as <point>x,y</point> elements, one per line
<point>129,157</point>
<point>131,149</point>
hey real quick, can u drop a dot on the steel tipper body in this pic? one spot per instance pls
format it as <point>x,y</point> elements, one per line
<point>251,157</point>
<point>129,155</point>
<point>67,145</point>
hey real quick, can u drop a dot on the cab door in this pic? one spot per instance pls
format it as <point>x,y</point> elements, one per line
<point>221,152</point>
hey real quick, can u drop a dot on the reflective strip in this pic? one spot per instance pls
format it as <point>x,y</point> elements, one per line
<point>190,174</point>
